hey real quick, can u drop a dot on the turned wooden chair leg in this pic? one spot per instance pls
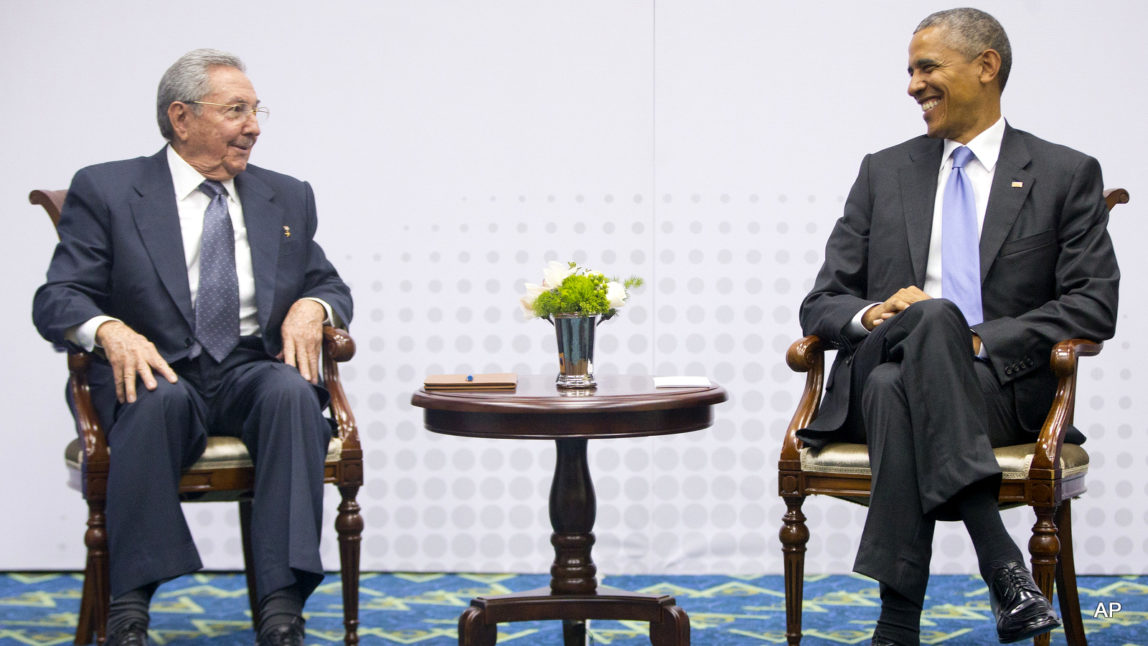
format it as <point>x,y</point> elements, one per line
<point>1044,546</point>
<point>248,560</point>
<point>94,602</point>
<point>349,525</point>
<point>794,535</point>
<point>86,626</point>
<point>103,597</point>
<point>1066,579</point>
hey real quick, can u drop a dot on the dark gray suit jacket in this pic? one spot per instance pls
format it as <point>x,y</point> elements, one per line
<point>1048,271</point>
<point>121,254</point>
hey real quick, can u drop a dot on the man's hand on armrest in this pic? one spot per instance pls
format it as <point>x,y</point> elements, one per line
<point>132,356</point>
<point>302,332</point>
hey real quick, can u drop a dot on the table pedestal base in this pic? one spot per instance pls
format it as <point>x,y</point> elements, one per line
<point>622,406</point>
<point>669,625</point>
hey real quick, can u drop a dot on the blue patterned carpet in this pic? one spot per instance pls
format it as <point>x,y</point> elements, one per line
<point>423,609</point>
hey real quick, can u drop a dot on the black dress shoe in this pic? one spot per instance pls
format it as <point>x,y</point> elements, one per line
<point>131,635</point>
<point>288,634</point>
<point>1021,610</point>
<point>881,640</point>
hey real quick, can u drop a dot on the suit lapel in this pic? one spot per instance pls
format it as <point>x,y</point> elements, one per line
<point>918,194</point>
<point>156,218</point>
<point>1011,185</point>
<point>264,221</point>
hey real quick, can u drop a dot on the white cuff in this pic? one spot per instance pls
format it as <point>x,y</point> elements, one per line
<point>84,334</point>
<point>983,353</point>
<point>330,320</point>
<point>856,328</point>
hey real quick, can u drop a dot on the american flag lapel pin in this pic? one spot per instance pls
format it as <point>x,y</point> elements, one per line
<point>287,229</point>
<point>1014,185</point>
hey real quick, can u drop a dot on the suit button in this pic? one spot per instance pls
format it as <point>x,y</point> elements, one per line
<point>187,343</point>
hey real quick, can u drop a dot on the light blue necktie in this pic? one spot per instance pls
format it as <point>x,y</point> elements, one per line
<point>217,300</point>
<point>960,241</point>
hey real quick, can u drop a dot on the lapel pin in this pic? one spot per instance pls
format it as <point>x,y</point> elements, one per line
<point>287,229</point>
<point>1014,185</point>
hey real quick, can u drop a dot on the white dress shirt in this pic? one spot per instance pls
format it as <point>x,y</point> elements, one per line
<point>986,148</point>
<point>191,204</point>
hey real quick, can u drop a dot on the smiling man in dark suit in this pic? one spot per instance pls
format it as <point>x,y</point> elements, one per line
<point>196,268</point>
<point>962,257</point>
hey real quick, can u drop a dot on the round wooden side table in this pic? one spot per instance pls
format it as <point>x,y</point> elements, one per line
<point>621,406</point>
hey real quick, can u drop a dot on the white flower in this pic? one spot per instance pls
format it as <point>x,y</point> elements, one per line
<point>527,301</point>
<point>556,272</point>
<point>615,294</point>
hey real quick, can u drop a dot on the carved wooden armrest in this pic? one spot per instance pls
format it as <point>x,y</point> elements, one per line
<point>1063,364</point>
<point>805,355</point>
<point>88,426</point>
<point>338,346</point>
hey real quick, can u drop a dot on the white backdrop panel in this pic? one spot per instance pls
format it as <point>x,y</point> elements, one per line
<point>455,147</point>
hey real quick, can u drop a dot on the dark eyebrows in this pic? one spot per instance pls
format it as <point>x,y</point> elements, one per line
<point>923,62</point>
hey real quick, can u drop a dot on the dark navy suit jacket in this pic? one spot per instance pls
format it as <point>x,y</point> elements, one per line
<point>121,254</point>
<point>1048,271</point>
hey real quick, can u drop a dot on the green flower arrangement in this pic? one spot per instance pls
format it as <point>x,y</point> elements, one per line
<point>569,289</point>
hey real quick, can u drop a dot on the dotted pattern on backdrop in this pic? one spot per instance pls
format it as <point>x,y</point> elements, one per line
<point>724,274</point>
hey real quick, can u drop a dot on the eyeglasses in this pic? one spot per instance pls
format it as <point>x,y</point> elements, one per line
<point>240,111</point>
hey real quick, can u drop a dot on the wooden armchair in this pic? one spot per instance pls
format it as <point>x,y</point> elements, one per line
<point>1045,475</point>
<point>223,473</point>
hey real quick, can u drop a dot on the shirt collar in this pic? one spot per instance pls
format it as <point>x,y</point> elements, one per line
<point>187,180</point>
<point>986,146</point>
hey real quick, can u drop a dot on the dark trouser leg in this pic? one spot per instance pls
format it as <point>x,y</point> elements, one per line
<point>151,442</point>
<point>900,620</point>
<point>897,541</point>
<point>280,419</point>
<point>977,504</point>
<point>920,398</point>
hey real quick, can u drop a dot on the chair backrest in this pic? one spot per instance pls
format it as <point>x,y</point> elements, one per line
<point>1114,196</point>
<point>52,201</point>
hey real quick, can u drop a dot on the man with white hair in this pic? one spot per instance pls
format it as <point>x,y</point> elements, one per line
<point>197,268</point>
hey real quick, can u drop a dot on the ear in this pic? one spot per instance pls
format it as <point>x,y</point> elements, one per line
<point>990,66</point>
<point>179,114</point>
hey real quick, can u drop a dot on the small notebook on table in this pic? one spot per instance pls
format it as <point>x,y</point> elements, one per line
<point>478,381</point>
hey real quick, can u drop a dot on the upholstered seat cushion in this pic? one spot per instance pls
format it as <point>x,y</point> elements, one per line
<point>1014,461</point>
<point>221,453</point>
